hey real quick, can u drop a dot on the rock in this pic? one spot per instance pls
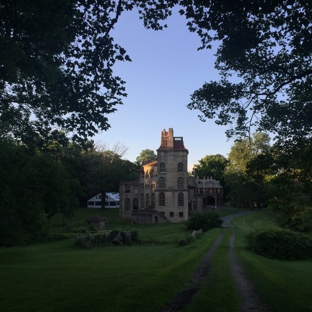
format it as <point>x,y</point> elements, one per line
<point>195,233</point>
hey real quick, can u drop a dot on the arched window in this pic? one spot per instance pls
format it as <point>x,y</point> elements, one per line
<point>135,204</point>
<point>142,201</point>
<point>153,200</point>
<point>162,199</point>
<point>162,167</point>
<point>180,182</point>
<point>147,200</point>
<point>162,182</point>
<point>127,204</point>
<point>180,167</point>
<point>180,199</point>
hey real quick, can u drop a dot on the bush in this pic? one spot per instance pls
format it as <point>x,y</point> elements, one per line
<point>280,244</point>
<point>203,220</point>
<point>82,228</point>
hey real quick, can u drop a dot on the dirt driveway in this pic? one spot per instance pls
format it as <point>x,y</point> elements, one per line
<point>251,301</point>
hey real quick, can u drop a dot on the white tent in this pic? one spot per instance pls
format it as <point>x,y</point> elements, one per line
<point>111,201</point>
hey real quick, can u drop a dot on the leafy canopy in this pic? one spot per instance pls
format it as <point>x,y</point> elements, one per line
<point>247,188</point>
<point>56,64</point>
<point>145,156</point>
<point>57,58</point>
<point>266,46</point>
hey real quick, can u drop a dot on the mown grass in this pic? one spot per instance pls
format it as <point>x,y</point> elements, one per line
<point>162,233</point>
<point>60,277</point>
<point>285,285</point>
<point>82,214</point>
<point>217,292</point>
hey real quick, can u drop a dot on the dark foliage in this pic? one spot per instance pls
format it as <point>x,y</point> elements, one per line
<point>295,219</point>
<point>280,244</point>
<point>203,220</point>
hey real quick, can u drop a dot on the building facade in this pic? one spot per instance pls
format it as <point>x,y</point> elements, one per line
<point>164,191</point>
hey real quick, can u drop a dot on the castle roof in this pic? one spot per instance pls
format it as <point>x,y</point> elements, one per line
<point>178,145</point>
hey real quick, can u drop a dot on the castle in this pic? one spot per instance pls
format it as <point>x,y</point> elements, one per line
<point>164,191</point>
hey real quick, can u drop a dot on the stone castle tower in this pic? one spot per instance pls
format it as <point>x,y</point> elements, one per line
<point>163,191</point>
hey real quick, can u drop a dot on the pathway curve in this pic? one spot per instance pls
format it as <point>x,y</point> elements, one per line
<point>251,301</point>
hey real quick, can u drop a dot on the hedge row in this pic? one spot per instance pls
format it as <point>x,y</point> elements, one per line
<point>280,244</point>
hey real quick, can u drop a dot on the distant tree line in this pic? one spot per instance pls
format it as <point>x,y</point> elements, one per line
<point>257,174</point>
<point>52,176</point>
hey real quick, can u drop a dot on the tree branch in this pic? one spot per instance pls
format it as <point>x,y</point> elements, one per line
<point>291,79</point>
<point>113,22</point>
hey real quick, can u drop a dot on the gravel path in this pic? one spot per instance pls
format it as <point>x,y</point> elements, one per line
<point>250,299</point>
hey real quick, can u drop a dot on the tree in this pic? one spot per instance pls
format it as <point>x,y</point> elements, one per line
<point>56,64</point>
<point>245,189</point>
<point>104,171</point>
<point>145,156</point>
<point>33,188</point>
<point>289,167</point>
<point>212,166</point>
<point>267,45</point>
<point>57,61</point>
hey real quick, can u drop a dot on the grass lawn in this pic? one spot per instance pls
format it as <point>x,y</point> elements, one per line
<point>286,285</point>
<point>58,276</point>
<point>217,293</point>
<point>61,277</point>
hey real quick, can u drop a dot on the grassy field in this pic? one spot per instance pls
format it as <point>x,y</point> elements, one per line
<point>217,293</point>
<point>61,277</point>
<point>286,285</point>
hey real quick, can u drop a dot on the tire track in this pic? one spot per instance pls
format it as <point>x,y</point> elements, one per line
<point>185,296</point>
<point>251,301</point>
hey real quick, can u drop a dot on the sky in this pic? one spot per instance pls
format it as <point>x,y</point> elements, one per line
<point>166,69</point>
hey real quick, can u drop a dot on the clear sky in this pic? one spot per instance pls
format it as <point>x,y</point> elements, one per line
<point>166,69</point>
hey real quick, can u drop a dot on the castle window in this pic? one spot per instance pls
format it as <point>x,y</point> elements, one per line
<point>180,182</point>
<point>162,213</point>
<point>180,199</point>
<point>127,204</point>
<point>162,199</point>
<point>162,182</point>
<point>180,167</point>
<point>135,204</point>
<point>181,214</point>
<point>142,201</point>
<point>162,167</point>
<point>153,200</point>
<point>171,214</point>
<point>147,200</point>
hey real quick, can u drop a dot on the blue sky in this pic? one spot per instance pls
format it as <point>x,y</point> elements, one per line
<point>165,70</point>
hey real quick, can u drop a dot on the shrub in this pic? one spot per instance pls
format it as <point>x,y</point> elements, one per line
<point>280,244</point>
<point>82,228</point>
<point>203,220</point>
